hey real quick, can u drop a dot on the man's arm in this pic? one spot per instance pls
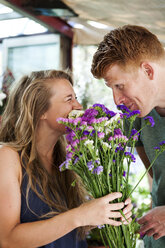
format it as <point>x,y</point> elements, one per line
<point>152,223</point>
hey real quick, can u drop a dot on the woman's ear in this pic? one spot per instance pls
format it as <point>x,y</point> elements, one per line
<point>148,69</point>
<point>43,117</point>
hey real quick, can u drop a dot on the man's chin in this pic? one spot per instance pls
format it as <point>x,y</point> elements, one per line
<point>143,114</point>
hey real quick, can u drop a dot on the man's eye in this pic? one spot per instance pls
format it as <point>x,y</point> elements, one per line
<point>69,99</point>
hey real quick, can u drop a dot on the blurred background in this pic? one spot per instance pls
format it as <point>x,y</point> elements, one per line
<point>56,34</point>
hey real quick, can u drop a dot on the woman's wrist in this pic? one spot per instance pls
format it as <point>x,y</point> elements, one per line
<point>73,217</point>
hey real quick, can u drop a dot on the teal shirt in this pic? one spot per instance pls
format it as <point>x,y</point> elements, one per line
<point>150,137</point>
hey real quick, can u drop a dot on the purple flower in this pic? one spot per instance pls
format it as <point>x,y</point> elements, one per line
<point>119,148</point>
<point>90,128</point>
<point>134,205</point>
<point>110,113</point>
<point>101,135</point>
<point>62,166</point>
<point>75,142</point>
<point>90,165</point>
<point>101,119</point>
<point>162,143</point>
<point>105,110</point>
<point>92,133</point>
<point>124,173</point>
<point>123,108</point>
<point>67,163</point>
<point>117,131</point>
<point>110,138</point>
<point>149,120</point>
<point>97,161</point>
<point>76,121</point>
<point>62,120</point>
<point>99,105</point>
<point>131,156</point>
<point>68,148</point>
<point>91,112</point>
<point>134,134</point>
<point>76,160</point>
<point>92,120</point>
<point>100,226</point>
<point>69,155</point>
<point>70,136</point>
<point>68,130</point>
<point>133,114</point>
<point>89,116</point>
<point>157,148</point>
<point>98,170</point>
<point>84,123</point>
<point>86,133</point>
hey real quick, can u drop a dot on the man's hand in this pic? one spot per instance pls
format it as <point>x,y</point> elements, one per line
<point>153,223</point>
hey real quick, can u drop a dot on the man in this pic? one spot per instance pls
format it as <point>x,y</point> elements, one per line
<point>132,62</point>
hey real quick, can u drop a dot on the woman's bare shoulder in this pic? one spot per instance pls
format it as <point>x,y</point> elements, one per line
<point>7,152</point>
<point>10,160</point>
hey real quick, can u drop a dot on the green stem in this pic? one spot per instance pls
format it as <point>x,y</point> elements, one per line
<point>144,174</point>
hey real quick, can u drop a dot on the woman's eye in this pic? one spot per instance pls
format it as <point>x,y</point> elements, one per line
<point>119,86</point>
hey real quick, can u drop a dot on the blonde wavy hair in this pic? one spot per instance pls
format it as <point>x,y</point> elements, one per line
<point>28,101</point>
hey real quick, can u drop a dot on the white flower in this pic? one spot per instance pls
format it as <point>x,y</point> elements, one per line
<point>2,96</point>
<point>89,145</point>
<point>89,142</point>
<point>108,130</point>
<point>75,113</point>
<point>116,117</point>
<point>99,129</point>
<point>105,146</point>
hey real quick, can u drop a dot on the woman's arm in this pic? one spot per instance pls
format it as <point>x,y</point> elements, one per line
<point>34,234</point>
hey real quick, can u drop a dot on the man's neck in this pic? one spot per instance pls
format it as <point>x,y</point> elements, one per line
<point>160,111</point>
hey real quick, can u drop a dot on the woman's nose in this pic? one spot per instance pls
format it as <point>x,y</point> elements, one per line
<point>77,105</point>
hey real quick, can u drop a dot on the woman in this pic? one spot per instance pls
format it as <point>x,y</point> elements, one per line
<point>39,208</point>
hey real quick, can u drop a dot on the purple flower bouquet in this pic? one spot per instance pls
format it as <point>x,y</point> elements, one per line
<point>98,152</point>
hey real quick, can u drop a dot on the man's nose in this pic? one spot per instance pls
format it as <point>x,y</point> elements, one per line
<point>118,97</point>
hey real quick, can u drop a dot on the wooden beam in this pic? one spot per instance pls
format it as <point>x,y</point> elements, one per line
<point>52,23</point>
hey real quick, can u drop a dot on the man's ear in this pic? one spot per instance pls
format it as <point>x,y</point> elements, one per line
<point>148,70</point>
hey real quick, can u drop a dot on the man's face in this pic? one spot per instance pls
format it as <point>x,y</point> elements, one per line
<point>132,87</point>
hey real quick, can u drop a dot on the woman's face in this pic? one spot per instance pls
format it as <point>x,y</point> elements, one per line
<point>62,102</point>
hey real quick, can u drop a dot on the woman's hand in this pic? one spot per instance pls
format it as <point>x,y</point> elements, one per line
<point>100,211</point>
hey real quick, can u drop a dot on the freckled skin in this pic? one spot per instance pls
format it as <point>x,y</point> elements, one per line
<point>131,87</point>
